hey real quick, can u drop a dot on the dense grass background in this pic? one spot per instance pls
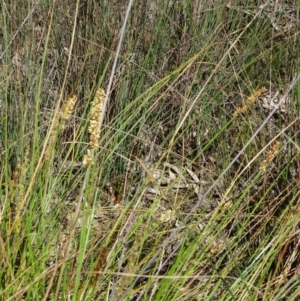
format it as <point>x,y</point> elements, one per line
<point>155,217</point>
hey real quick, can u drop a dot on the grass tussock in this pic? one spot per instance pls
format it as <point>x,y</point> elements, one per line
<point>178,180</point>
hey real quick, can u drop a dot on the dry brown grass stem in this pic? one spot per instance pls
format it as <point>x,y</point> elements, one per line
<point>100,264</point>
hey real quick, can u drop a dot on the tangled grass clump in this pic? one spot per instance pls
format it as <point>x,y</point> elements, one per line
<point>170,183</point>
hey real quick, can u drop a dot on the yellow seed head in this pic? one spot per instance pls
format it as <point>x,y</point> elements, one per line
<point>94,129</point>
<point>16,173</point>
<point>87,159</point>
<point>68,108</point>
<point>270,156</point>
<point>250,100</point>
